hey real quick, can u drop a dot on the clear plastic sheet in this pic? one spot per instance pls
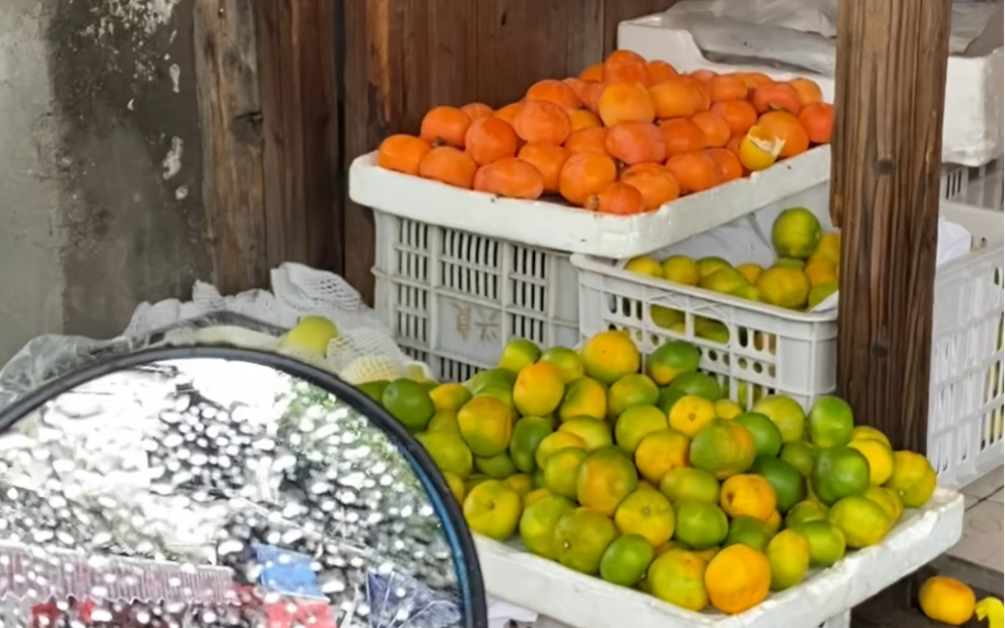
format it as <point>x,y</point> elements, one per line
<point>799,34</point>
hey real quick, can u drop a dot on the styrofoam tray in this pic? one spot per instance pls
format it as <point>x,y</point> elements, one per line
<point>586,602</point>
<point>573,230</point>
<point>973,126</point>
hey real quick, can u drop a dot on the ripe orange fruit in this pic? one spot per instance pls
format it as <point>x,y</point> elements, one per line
<point>449,165</point>
<point>592,92</point>
<point>588,141</point>
<point>714,127</point>
<point>583,119</point>
<point>808,91</point>
<point>543,122</point>
<point>643,167</point>
<point>635,142</point>
<point>727,87</point>
<point>656,185</point>
<point>754,79</point>
<point>445,126</point>
<point>626,102</point>
<point>477,111</point>
<point>739,115</point>
<point>617,198</point>
<point>730,168</point>
<point>694,171</point>
<point>510,177</point>
<point>508,113</point>
<point>584,175</point>
<point>737,579</point>
<point>490,139</point>
<point>818,120</point>
<point>402,153</point>
<point>786,127</point>
<point>776,96</point>
<point>675,98</point>
<point>660,71</point>
<point>625,66</point>
<point>702,91</point>
<point>680,135</point>
<point>705,76</point>
<point>554,91</point>
<point>593,73</point>
<point>548,159</point>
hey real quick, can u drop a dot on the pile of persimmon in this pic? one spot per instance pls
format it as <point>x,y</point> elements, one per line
<point>625,137</point>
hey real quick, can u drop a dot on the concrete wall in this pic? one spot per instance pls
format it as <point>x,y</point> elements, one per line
<point>100,173</point>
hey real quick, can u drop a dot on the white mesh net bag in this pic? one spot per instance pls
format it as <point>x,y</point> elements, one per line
<point>363,352</point>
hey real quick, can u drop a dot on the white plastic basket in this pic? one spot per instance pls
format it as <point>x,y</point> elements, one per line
<point>972,130</point>
<point>979,187</point>
<point>771,350</point>
<point>453,299</point>
<point>841,621</point>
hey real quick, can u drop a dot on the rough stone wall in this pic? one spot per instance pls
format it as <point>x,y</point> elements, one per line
<point>100,164</point>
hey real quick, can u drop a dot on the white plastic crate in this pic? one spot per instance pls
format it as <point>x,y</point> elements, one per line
<point>979,187</point>
<point>841,621</point>
<point>772,350</point>
<point>453,299</point>
<point>560,227</point>
<point>565,596</point>
<point>973,128</point>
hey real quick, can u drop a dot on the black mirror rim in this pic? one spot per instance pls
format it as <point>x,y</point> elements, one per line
<point>449,511</point>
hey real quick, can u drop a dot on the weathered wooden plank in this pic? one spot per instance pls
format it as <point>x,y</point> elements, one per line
<point>300,114</point>
<point>892,58</point>
<point>231,118</point>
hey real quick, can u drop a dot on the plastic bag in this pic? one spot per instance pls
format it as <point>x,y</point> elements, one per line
<point>799,34</point>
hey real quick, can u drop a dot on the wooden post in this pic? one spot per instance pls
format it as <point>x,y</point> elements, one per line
<point>891,80</point>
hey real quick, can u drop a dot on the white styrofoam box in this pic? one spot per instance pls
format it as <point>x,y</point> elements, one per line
<point>575,599</point>
<point>453,299</point>
<point>773,350</point>
<point>973,124</point>
<point>966,398</point>
<point>560,227</point>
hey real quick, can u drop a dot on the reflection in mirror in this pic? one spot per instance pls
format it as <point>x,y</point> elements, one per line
<point>207,492</point>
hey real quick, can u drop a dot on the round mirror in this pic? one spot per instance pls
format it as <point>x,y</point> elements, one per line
<point>223,487</point>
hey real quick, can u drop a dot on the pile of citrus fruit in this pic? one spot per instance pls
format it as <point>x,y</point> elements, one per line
<point>623,138</point>
<point>805,272</point>
<point>642,472</point>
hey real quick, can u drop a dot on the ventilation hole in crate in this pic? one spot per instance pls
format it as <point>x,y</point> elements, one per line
<point>758,368</point>
<point>743,337</point>
<point>528,296</point>
<point>454,370</point>
<point>667,318</point>
<point>713,355</point>
<point>416,354</point>
<point>711,329</point>
<point>743,364</point>
<point>527,328</point>
<point>771,371</point>
<point>530,263</point>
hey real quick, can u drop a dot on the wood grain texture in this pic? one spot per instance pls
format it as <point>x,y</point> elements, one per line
<point>300,115</point>
<point>230,116</point>
<point>402,58</point>
<point>891,77</point>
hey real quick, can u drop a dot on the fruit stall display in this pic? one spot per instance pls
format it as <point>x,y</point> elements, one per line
<point>641,473</point>
<point>627,139</point>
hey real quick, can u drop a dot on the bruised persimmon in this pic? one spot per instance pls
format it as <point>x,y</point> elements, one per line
<point>402,153</point>
<point>593,73</point>
<point>818,120</point>
<point>776,96</point>
<point>714,126</point>
<point>449,165</point>
<point>808,91</point>
<point>583,119</point>
<point>625,66</point>
<point>730,168</point>
<point>635,142</point>
<point>618,199</point>
<point>477,111</point>
<point>542,121</point>
<point>786,127</point>
<point>626,102</point>
<point>660,72</point>
<point>553,91</point>
<point>694,171</point>
<point>656,185</point>
<point>445,126</point>
<point>508,113</point>
<point>739,115</point>
<point>680,135</point>
<point>510,177</point>
<point>490,139</point>
<point>675,98</point>
<point>726,87</point>
<point>548,159</point>
<point>588,141</point>
<point>584,175</point>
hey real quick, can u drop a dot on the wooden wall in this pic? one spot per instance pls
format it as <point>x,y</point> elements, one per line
<point>403,57</point>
